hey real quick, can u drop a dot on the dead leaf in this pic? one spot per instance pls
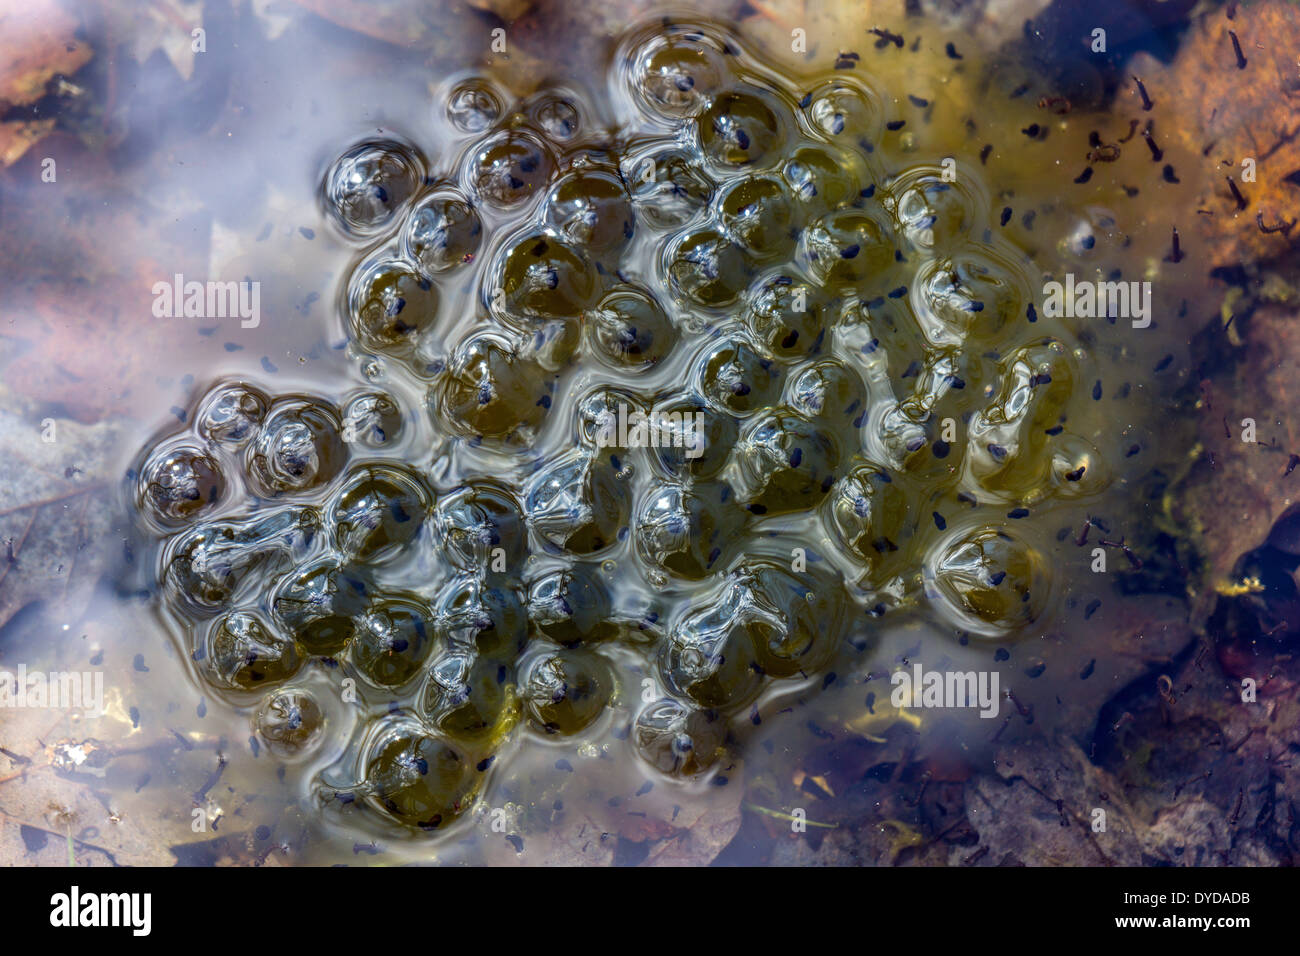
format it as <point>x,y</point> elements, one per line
<point>1237,489</point>
<point>1229,114</point>
<point>37,43</point>
<point>399,22</point>
<point>56,509</point>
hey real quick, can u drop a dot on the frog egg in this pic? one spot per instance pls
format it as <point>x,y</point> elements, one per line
<point>709,657</point>
<point>473,106</point>
<point>300,447</point>
<point>688,531</point>
<point>1091,238</point>
<point>509,168</point>
<point>290,723</point>
<point>208,566</point>
<point>244,653</point>
<point>591,209</point>
<point>629,329</point>
<point>844,111</point>
<point>824,178</point>
<point>179,483</point>
<point>392,640</point>
<point>674,72</point>
<point>668,184</point>
<point>743,128</point>
<point>368,186</point>
<point>372,419</point>
<point>392,307</point>
<point>578,504</point>
<point>319,606</point>
<point>467,695</point>
<point>480,527</point>
<point>969,299</point>
<point>932,214</point>
<point>542,279</point>
<point>418,779</point>
<point>571,606</point>
<point>555,115</point>
<point>866,513</point>
<point>481,615</point>
<point>990,581</point>
<point>442,232</point>
<point>230,414</point>
<point>850,248</point>
<point>787,463</point>
<point>707,269</point>
<point>489,390</point>
<point>735,377</point>
<point>678,740</point>
<point>695,438</point>
<point>565,691</point>
<point>759,215</point>
<point>379,511</point>
<point>786,315</point>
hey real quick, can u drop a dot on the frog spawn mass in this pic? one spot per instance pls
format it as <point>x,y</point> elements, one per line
<point>791,320</point>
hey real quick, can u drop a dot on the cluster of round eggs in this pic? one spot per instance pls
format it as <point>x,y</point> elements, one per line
<point>669,367</point>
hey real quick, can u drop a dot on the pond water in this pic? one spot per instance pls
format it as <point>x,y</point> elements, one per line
<point>388,583</point>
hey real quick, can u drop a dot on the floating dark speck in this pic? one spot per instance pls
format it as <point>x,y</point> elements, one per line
<point>1236,48</point>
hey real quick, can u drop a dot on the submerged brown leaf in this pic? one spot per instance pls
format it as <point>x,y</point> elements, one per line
<point>56,534</point>
<point>1241,114</point>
